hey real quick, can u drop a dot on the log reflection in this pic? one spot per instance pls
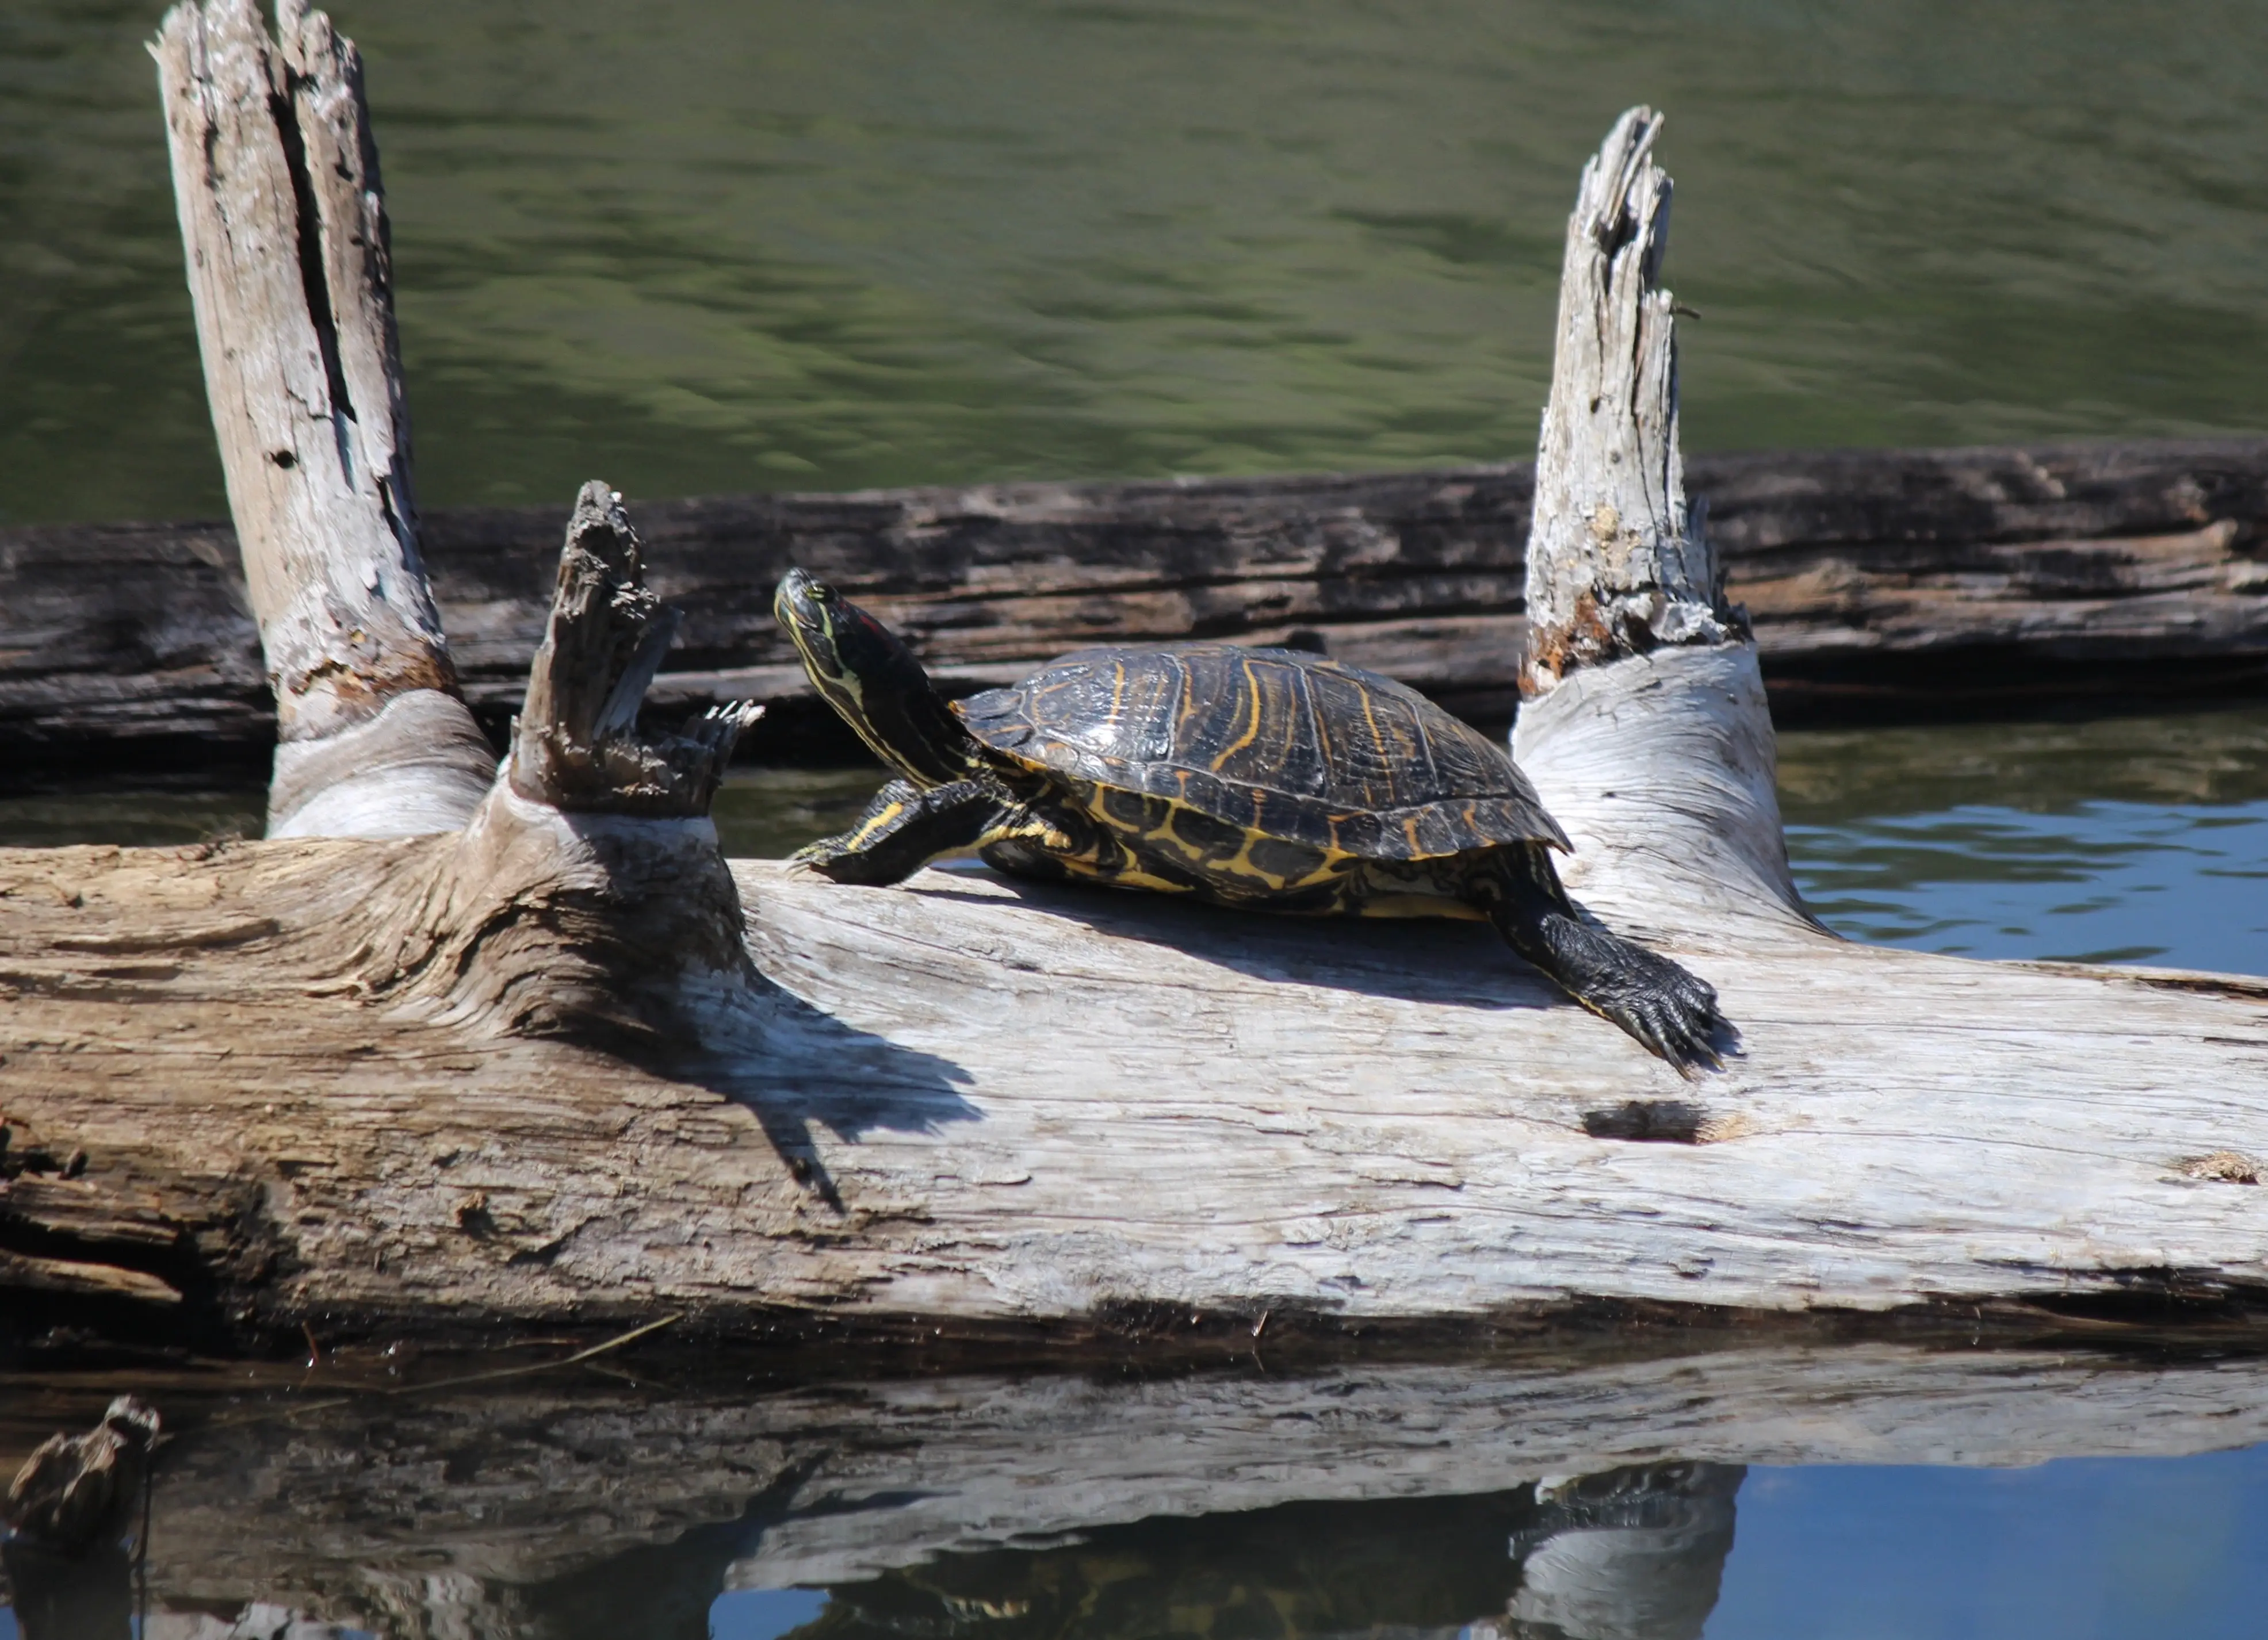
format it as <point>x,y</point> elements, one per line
<point>1553,1499</point>
<point>1630,1554</point>
<point>1633,1554</point>
<point>70,1596</point>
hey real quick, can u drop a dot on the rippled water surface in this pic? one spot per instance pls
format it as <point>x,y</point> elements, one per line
<point>2124,840</point>
<point>702,245</point>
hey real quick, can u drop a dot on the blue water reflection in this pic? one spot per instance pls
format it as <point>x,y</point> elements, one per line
<point>2074,1549</point>
<point>2129,1548</point>
<point>762,1614</point>
<point>2122,839</point>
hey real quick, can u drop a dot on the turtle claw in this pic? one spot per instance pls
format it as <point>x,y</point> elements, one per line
<point>1679,1019</point>
<point>1669,1011</point>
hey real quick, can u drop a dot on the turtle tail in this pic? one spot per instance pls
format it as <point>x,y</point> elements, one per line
<point>1670,1012</point>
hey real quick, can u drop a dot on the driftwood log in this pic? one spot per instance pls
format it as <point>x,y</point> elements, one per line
<point>565,1066</point>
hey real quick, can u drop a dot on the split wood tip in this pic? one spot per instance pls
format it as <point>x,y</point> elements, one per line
<point>576,744</point>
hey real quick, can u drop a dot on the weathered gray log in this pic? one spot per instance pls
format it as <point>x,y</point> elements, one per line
<point>1897,582</point>
<point>1616,566</point>
<point>586,897</point>
<point>1035,1107</point>
<point>343,1079</point>
<point>283,224</point>
<point>388,1514</point>
<point>1645,688</point>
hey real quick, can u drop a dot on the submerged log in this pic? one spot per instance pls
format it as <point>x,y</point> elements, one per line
<point>1880,582</point>
<point>566,1066</point>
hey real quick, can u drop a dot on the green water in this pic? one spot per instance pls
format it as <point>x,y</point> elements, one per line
<point>699,246</point>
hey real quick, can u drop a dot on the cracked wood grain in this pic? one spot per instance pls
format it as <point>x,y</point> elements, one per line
<point>284,226</point>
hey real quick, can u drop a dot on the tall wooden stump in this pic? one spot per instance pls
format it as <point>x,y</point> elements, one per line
<point>284,223</point>
<point>1646,723</point>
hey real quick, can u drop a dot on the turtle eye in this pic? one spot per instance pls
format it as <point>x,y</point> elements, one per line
<point>822,593</point>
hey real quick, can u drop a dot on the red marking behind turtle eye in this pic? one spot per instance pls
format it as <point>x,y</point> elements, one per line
<point>859,634</point>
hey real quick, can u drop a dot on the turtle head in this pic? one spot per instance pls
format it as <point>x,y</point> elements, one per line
<point>872,679</point>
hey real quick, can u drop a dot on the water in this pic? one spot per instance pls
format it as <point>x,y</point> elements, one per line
<point>701,247</point>
<point>697,245</point>
<point>1390,1501</point>
<point>2137,839</point>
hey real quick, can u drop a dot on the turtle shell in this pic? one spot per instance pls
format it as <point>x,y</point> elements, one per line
<point>1282,743</point>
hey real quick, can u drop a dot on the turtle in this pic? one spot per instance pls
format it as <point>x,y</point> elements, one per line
<point>1277,779</point>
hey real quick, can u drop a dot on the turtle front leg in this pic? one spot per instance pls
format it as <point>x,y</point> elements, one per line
<point>904,830</point>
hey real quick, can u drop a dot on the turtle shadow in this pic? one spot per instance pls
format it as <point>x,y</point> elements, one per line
<point>1446,961</point>
<point>790,1065</point>
<point>1443,960</point>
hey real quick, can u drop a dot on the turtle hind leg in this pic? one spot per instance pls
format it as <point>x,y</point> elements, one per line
<point>904,830</point>
<point>1671,1012</point>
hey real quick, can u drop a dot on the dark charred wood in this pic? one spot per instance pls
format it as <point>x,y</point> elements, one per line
<point>1886,583</point>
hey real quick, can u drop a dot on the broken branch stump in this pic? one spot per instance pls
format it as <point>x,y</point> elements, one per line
<point>283,224</point>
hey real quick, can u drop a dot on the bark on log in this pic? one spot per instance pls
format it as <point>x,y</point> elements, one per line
<point>283,224</point>
<point>1880,582</point>
<point>354,1080</point>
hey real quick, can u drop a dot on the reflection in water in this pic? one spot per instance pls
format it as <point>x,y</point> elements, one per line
<point>1381,1499</point>
<point>2105,882</point>
<point>88,1596</point>
<point>2119,840</point>
<point>2154,1549</point>
<point>767,814</point>
<point>1632,1554</point>
<point>2203,757</point>
<point>131,818</point>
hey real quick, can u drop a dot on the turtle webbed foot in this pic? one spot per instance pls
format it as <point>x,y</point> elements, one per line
<point>1670,1012</point>
<point>904,830</point>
